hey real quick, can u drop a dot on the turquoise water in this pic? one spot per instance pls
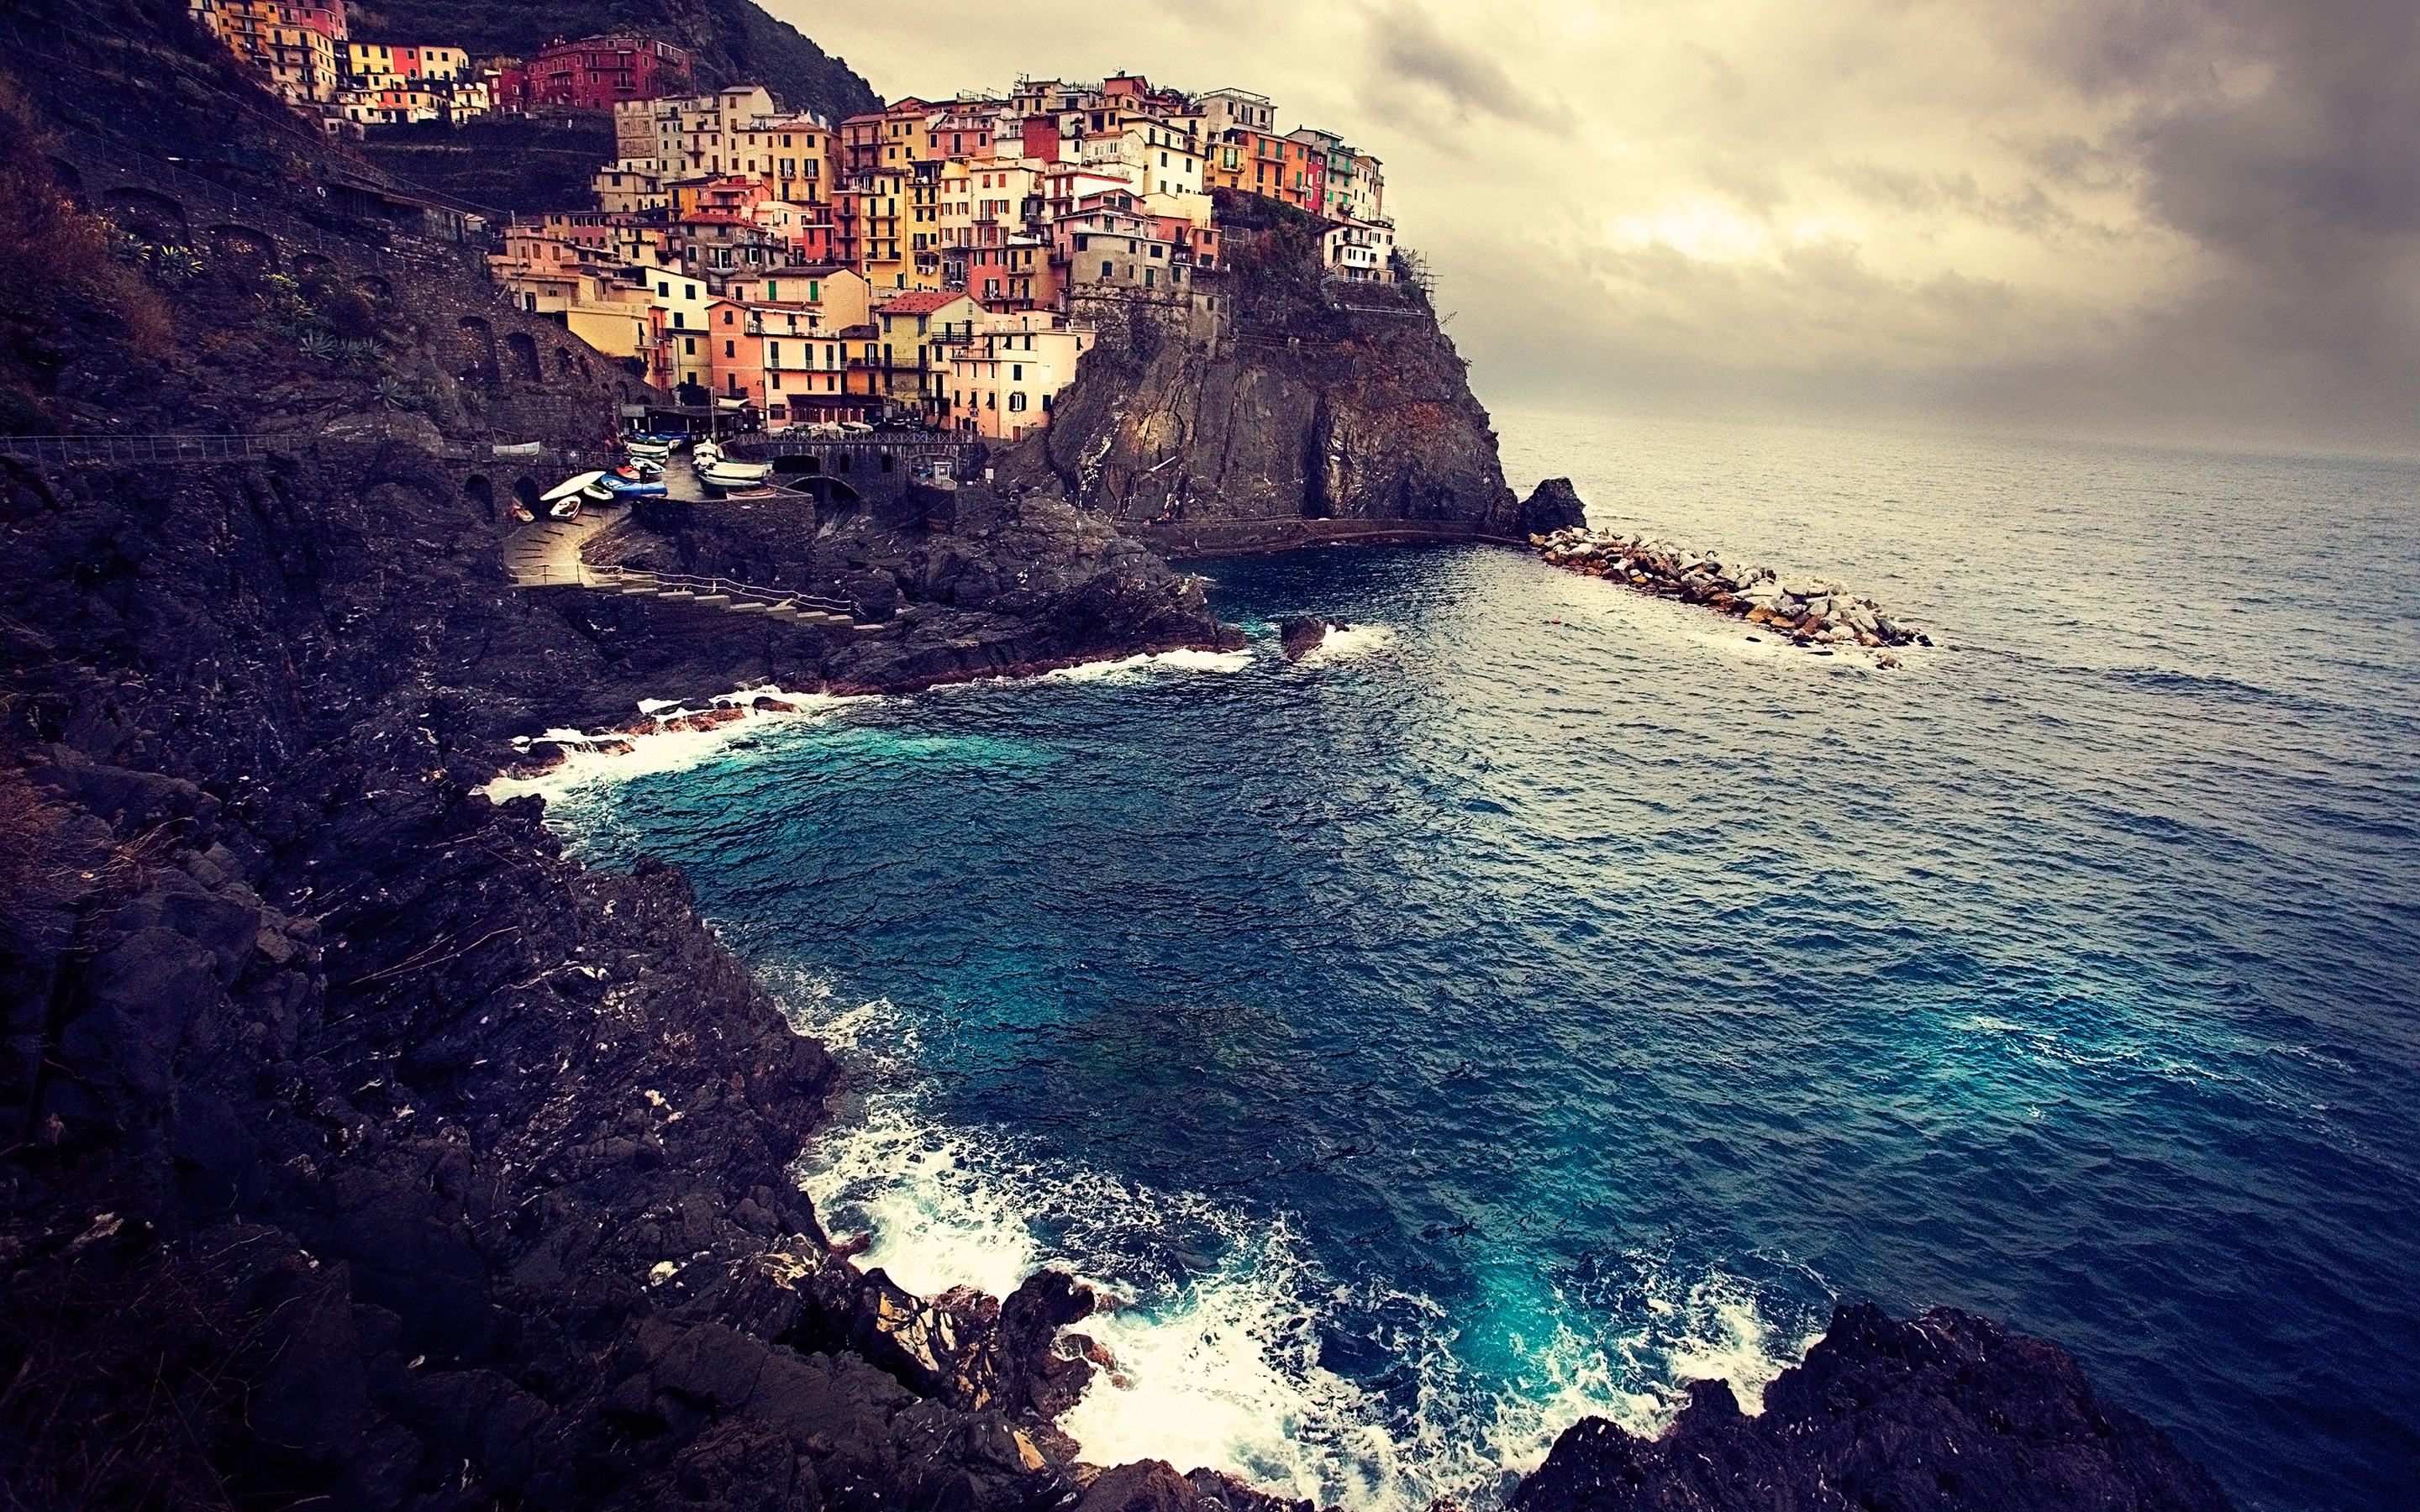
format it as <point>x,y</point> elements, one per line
<point>1546,995</point>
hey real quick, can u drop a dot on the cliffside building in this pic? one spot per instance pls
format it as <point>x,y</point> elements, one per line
<point>596,73</point>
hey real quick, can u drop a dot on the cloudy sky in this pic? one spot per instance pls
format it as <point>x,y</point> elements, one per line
<point>2186,219</point>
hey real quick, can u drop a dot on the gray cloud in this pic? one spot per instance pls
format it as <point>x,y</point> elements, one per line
<point>2197,218</point>
<point>2307,191</point>
<point>1407,48</point>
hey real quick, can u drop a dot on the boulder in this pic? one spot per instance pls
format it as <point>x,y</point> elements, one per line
<point>1941,1412</point>
<point>1301,634</point>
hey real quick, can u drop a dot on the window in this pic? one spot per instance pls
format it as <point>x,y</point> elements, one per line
<point>1105,267</point>
<point>688,291</point>
<point>688,346</point>
<point>663,291</point>
<point>730,348</point>
<point>679,321</point>
<point>1016,372</point>
<point>1016,401</point>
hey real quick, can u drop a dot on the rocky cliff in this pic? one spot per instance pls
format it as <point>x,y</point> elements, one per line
<point>361,1150</point>
<point>1275,407</point>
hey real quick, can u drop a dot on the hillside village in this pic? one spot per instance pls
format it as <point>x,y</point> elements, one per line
<point>944,262</point>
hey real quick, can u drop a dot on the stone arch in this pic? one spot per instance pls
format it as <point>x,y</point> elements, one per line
<point>149,214</point>
<point>70,181</point>
<point>312,265</point>
<point>834,500</point>
<point>478,349</point>
<point>523,350</point>
<point>526,489</point>
<point>244,246</point>
<point>563,362</point>
<point>480,495</point>
<point>374,288</point>
<point>586,373</point>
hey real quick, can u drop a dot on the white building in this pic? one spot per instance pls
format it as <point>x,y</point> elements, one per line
<point>1226,110</point>
<point>1364,254</point>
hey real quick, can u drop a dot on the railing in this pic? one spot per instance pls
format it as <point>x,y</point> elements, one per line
<point>133,448</point>
<point>738,593</point>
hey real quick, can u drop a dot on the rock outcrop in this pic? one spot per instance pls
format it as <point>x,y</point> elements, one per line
<point>1947,1412</point>
<point>1280,410</point>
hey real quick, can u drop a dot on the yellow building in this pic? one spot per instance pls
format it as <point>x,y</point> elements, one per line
<point>372,60</point>
<point>294,45</point>
<point>869,213</point>
<point>791,153</point>
<point>922,331</point>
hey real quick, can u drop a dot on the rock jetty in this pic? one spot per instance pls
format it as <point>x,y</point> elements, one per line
<point>1807,612</point>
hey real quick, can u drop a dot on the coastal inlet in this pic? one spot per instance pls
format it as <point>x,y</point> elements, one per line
<point>1804,611</point>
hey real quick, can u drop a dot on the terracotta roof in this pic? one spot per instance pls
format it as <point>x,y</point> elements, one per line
<point>920,302</point>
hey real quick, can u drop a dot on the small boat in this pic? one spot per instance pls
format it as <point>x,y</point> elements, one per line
<point>618,486</point>
<point>562,501</point>
<point>721,474</point>
<point>638,469</point>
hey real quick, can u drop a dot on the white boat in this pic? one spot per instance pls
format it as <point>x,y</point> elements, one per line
<point>721,474</point>
<point>562,501</point>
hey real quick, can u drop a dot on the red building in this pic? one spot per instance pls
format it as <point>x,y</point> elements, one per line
<point>594,73</point>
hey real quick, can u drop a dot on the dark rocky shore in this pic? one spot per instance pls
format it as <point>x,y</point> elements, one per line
<point>364,1151</point>
<point>1942,1411</point>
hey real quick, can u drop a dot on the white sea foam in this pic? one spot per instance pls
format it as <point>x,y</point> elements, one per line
<point>1217,1353</point>
<point>1355,640</point>
<point>1185,661</point>
<point>593,761</point>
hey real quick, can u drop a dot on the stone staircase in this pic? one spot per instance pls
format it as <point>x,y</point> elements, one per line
<point>731,597</point>
<point>547,555</point>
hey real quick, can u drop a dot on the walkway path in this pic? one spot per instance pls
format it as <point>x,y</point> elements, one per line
<point>547,555</point>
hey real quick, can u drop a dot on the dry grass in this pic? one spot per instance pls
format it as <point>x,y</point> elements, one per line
<point>58,256</point>
<point>30,842</point>
<point>121,1376</point>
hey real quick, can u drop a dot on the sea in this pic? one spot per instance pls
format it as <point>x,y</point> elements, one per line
<point>1543,995</point>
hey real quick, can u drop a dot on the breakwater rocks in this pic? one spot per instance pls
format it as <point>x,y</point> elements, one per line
<point>1947,1410</point>
<point>1807,612</point>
